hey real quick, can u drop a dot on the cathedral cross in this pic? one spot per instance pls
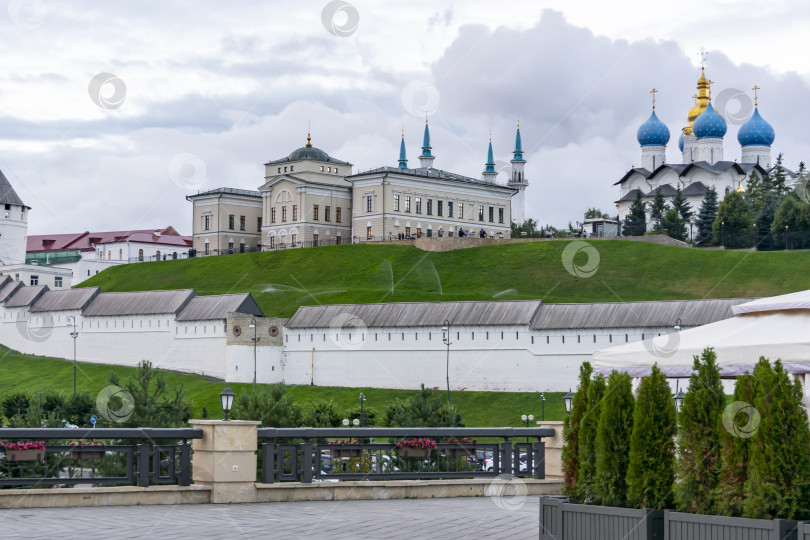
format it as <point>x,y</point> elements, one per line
<point>756,98</point>
<point>703,54</point>
<point>653,92</point>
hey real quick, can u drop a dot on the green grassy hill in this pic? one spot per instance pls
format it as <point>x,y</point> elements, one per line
<point>478,409</point>
<point>282,281</point>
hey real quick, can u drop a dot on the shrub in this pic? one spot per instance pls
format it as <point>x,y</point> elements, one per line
<point>422,410</point>
<point>354,412</point>
<point>586,484</point>
<point>650,471</point>
<point>779,467</point>
<point>698,464</point>
<point>323,413</point>
<point>571,425</point>
<point>735,449</point>
<point>79,408</point>
<point>271,406</point>
<point>613,441</point>
<point>14,404</point>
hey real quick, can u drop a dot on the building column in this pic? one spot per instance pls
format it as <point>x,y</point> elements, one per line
<point>554,447</point>
<point>225,459</point>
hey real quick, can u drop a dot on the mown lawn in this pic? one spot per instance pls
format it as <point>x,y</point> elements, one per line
<point>28,373</point>
<point>627,271</point>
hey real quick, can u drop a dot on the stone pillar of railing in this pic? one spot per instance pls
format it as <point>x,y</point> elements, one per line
<point>553,448</point>
<point>225,459</point>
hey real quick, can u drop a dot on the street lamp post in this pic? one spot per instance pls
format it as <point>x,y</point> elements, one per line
<point>786,237</point>
<point>543,406</point>
<point>446,339</point>
<point>754,236</point>
<point>569,399</point>
<point>71,321</point>
<point>255,339</point>
<point>678,400</point>
<point>362,410</point>
<point>527,419</point>
<point>691,223</point>
<point>723,233</point>
<point>227,396</point>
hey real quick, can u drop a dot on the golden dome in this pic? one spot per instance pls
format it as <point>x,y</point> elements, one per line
<point>701,102</point>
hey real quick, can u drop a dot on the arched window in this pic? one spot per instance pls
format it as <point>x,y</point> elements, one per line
<point>157,255</point>
<point>728,190</point>
<point>174,256</point>
<point>140,255</point>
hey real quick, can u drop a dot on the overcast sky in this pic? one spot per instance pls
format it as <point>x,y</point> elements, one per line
<point>111,113</point>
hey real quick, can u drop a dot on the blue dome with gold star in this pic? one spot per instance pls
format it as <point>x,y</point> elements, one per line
<point>756,132</point>
<point>653,132</point>
<point>709,124</point>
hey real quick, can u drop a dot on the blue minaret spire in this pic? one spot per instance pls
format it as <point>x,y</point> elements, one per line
<point>489,173</point>
<point>426,159</point>
<point>403,160</point>
<point>518,180</point>
<point>518,146</point>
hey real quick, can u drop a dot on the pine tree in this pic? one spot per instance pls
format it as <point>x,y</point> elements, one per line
<point>735,449</point>
<point>658,207</point>
<point>586,477</point>
<point>651,469</point>
<point>699,438</point>
<point>706,217</point>
<point>613,441</point>
<point>635,224</point>
<point>764,221</point>
<point>674,225</point>
<point>778,483</point>
<point>571,427</point>
<point>733,225</point>
<point>778,177</point>
<point>795,216</point>
<point>755,192</point>
<point>682,205</point>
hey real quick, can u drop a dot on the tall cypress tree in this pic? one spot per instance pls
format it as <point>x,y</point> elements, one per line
<point>735,444</point>
<point>706,216</point>
<point>613,441</point>
<point>651,469</point>
<point>778,483</point>
<point>733,226</point>
<point>586,478</point>
<point>699,438</point>
<point>635,224</point>
<point>571,427</point>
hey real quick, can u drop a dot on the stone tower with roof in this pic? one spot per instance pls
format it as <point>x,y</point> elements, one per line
<point>13,224</point>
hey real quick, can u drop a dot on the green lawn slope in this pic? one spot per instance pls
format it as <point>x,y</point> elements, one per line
<point>627,271</point>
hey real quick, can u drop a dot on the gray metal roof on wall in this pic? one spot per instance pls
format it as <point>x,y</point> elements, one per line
<point>9,289</point>
<point>138,303</point>
<point>7,193</point>
<point>68,299</point>
<point>416,314</point>
<point>208,308</point>
<point>25,296</point>
<point>633,314</point>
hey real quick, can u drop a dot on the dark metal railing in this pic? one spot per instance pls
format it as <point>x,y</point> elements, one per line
<point>305,454</point>
<point>70,457</point>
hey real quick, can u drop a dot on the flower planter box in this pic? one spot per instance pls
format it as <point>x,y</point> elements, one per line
<point>346,452</point>
<point>25,455</point>
<point>683,526</point>
<point>408,452</point>
<point>86,454</point>
<point>460,452</point>
<point>562,518</point>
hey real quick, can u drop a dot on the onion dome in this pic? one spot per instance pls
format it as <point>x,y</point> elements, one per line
<point>680,142</point>
<point>709,124</point>
<point>756,132</point>
<point>653,132</point>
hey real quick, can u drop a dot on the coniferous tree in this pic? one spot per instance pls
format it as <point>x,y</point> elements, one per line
<point>764,221</point>
<point>735,444</point>
<point>586,477</point>
<point>778,177</point>
<point>733,225</point>
<point>682,205</point>
<point>778,483</point>
<point>635,224</point>
<point>613,441</point>
<point>706,216</point>
<point>755,192</point>
<point>571,428</point>
<point>794,215</point>
<point>674,226</point>
<point>651,469</point>
<point>658,207</point>
<point>699,422</point>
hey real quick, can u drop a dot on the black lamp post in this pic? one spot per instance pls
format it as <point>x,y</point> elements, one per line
<point>227,396</point>
<point>255,339</point>
<point>362,410</point>
<point>786,237</point>
<point>569,401</point>
<point>543,406</point>
<point>679,400</point>
<point>691,223</point>
<point>71,321</point>
<point>723,233</point>
<point>754,236</point>
<point>527,419</point>
<point>446,339</point>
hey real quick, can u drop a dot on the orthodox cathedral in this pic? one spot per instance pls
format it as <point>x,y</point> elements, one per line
<point>701,146</point>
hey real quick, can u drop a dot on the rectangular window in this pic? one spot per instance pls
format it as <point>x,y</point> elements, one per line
<point>418,232</point>
<point>407,204</point>
<point>396,203</point>
<point>272,242</point>
<point>337,240</point>
<point>500,215</point>
<point>242,223</point>
<point>407,232</point>
<point>449,209</point>
<point>491,214</point>
<point>230,247</point>
<point>369,203</point>
<point>327,213</point>
<point>292,239</point>
<point>480,212</point>
<point>284,214</point>
<point>295,212</point>
<point>314,239</point>
<point>439,205</point>
<point>207,252</point>
<point>315,212</point>
<point>272,215</point>
<point>259,224</point>
<point>206,222</point>
<point>57,281</point>
<point>369,233</point>
<point>419,205</point>
<point>460,210</point>
<point>231,221</point>
<point>337,214</point>
<point>430,207</point>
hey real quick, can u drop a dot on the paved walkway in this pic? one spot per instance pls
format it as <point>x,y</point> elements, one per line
<point>477,517</point>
